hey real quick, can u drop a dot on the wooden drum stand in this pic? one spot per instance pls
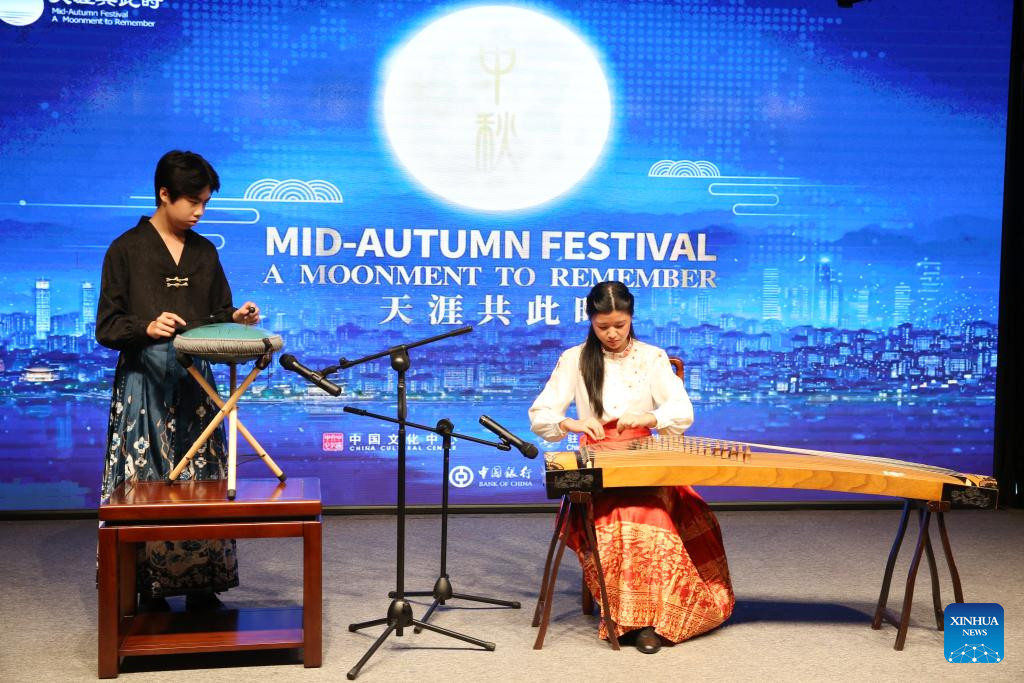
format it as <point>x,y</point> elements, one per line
<point>232,344</point>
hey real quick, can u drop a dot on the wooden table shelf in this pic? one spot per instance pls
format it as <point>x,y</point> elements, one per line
<point>221,631</point>
<point>156,511</point>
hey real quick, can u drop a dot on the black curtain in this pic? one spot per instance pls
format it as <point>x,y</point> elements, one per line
<point>1009,441</point>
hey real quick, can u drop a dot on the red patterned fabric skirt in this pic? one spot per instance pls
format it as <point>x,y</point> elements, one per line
<point>662,554</point>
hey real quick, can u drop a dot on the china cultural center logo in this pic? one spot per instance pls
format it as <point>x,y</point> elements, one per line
<point>974,633</point>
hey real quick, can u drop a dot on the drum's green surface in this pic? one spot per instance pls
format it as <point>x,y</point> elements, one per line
<point>227,342</point>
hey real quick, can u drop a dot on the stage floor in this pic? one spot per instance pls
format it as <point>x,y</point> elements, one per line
<point>806,583</point>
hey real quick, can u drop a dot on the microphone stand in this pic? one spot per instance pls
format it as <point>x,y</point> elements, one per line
<point>399,614</point>
<point>442,590</point>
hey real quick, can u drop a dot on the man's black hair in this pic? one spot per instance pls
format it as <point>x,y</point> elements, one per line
<point>184,174</point>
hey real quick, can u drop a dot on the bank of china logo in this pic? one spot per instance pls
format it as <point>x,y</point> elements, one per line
<point>460,477</point>
<point>973,633</point>
<point>496,108</point>
<point>21,12</point>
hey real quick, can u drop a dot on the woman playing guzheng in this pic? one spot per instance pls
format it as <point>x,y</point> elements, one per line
<point>157,278</point>
<point>660,547</point>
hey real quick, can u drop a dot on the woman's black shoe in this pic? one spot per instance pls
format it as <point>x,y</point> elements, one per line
<point>647,641</point>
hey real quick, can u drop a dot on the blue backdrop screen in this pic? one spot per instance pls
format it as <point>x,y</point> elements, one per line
<point>806,201</point>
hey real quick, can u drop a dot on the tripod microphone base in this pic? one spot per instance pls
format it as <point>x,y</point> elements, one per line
<point>514,604</point>
<point>443,592</point>
<point>399,617</point>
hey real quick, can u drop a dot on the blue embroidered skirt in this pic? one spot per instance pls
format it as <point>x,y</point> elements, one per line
<point>156,413</point>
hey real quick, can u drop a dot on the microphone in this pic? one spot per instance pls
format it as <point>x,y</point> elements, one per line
<point>527,449</point>
<point>289,362</point>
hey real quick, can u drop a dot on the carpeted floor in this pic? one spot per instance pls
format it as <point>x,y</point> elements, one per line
<point>806,583</point>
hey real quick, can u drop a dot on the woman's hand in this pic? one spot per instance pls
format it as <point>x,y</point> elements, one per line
<point>246,314</point>
<point>590,426</point>
<point>631,419</point>
<point>165,325</point>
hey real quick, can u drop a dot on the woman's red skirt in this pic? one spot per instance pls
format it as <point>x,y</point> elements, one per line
<point>662,554</point>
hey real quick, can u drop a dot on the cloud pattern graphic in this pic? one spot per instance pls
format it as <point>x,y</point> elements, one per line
<point>666,168</point>
<point>273,190</point>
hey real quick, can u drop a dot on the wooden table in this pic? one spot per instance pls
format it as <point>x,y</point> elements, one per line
<point>156,511</point>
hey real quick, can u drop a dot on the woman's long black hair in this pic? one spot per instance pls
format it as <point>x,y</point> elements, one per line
<point>603,298</point>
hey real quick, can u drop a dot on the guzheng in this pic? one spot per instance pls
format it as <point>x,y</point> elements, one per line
<point>671,460</point>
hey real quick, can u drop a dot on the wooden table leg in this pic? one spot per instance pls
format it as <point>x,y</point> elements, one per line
<point>128,560</point>
<point>107,603</point>
<point>312,594</point>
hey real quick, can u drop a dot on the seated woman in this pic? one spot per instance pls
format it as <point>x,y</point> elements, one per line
<point>661,548</point>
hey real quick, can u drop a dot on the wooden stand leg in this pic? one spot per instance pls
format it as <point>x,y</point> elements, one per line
<point>958,592</point>
<point>883,597</point>
<point>934,572</point>
<point>908,596</point>
<point>312,582</point>
<point>214,423</point>
<point>587,518</point>
<point>107,602</point>
<point>233,437</point>
<point>924,547</point>
<point>559,523</point>
<point>246,434</point>
<point>548,595</point>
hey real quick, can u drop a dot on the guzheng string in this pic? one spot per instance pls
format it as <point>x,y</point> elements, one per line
<point>673,444</point>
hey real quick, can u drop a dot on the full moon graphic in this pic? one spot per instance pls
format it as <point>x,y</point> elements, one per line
<point>21,12</point>
<point>496,108</point>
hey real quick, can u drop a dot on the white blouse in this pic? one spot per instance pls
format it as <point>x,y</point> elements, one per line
<point>640,380</point>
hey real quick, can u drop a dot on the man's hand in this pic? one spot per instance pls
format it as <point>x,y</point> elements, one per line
<point>165,325</point>
<point>246,314</point>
